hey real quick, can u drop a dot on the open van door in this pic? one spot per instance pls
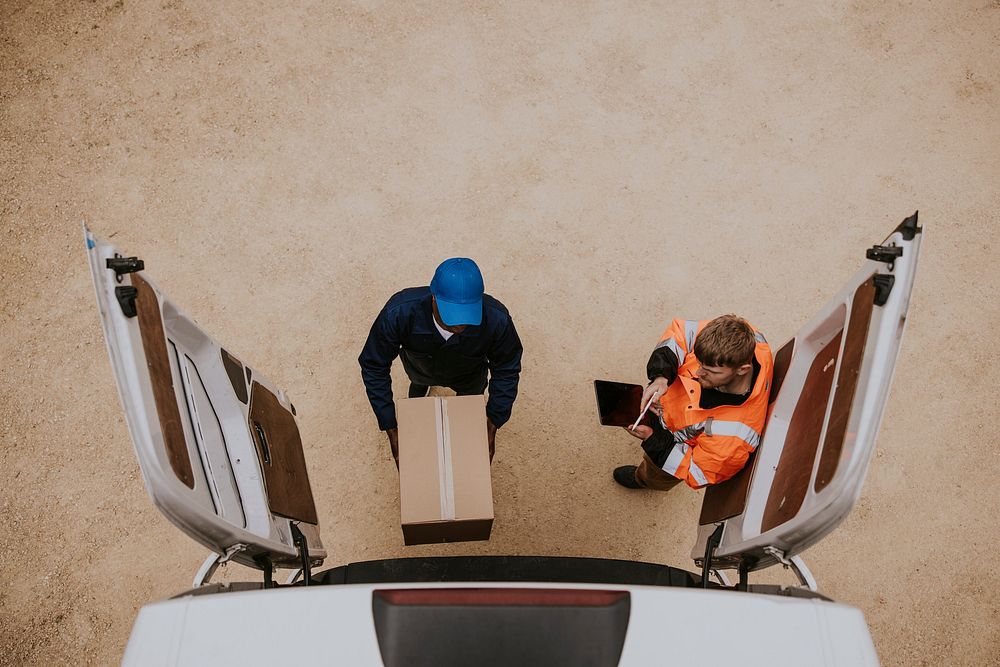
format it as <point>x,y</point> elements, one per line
<point>831,382</point>
<point>217,443</point>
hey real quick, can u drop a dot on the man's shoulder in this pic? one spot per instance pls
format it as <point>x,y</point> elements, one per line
<point>495,308</point>
<point>407,298</point>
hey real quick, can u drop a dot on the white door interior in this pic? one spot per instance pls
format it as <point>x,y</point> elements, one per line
<point>828,398</point>
<point>217,443</point>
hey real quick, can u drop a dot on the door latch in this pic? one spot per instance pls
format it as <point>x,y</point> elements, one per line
<point>122,265</point>
<point>884,253</point>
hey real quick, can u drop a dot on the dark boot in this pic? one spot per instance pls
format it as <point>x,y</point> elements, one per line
<point>625,475</point>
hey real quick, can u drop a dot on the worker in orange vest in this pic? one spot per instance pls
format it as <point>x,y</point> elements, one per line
<point>709,381</point>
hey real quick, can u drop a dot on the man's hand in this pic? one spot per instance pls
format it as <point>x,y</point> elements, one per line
<point>394,444</point>
<point>491,432</point>
<point>641,431</point>
<point>659,388</point>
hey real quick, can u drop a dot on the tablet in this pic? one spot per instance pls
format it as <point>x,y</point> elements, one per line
<point>619,403</point>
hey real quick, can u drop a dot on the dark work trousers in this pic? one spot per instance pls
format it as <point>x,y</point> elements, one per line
<point>463,387</point>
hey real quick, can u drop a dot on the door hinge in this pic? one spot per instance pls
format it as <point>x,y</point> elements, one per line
<point>777,554</point>
<point>212,563</point>
<point>797,565</point>
<point>263,561</point>
<point>714,540</point>
<point>302,544</point>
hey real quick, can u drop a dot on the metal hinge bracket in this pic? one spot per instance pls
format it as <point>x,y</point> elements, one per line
<point>714,540</point>
<point>212,563</point>
<point>797,565</point>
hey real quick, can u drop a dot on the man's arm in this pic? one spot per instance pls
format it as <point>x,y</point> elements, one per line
<point>661,369</point>
<point>380,350</point>
<point>504,358</point>
<point>662,363</point>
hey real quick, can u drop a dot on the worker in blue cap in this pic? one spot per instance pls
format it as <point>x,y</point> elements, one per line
<point>449,334</point>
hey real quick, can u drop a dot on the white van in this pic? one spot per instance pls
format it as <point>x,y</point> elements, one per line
<point>220,452</point>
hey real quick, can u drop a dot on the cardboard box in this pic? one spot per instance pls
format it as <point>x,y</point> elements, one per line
<point>445,490</point>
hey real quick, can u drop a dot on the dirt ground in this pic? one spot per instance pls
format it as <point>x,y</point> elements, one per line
<point>610,165</point>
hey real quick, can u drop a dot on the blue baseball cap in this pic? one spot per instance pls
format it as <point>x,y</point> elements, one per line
<point>458,289</point>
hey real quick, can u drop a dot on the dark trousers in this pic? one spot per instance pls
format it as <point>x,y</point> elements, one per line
<point>462,387</point>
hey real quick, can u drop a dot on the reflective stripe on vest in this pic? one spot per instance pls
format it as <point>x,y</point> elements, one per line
<point>697,473</point>
<point>710,427</point>
<point>675,458</point>
<point>688,433</point>
<point>674,347</point>
<point>713,426</point>
<point>690,332</point>
<point>735,429</point>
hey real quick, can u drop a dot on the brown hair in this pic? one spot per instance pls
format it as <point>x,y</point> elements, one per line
<point>727,340</point>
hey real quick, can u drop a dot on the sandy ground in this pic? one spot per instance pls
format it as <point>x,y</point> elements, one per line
<point>610,166</point>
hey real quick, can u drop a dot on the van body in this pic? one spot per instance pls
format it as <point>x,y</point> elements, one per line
<point>221,456</point>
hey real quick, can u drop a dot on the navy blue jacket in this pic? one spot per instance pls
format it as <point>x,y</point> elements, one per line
<point>406,326</point>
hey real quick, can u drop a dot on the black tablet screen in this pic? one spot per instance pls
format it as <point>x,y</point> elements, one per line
<point>619,403</point>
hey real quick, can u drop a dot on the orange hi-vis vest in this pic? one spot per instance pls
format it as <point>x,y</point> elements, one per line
<point>710,446</point>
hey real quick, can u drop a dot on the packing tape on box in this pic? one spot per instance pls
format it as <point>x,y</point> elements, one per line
<point>446,477</point>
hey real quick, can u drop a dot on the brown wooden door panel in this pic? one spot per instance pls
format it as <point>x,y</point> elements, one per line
<point>154,344</point>
<point>791,477</point>
<point>847,382</point>
<point>279,447</point>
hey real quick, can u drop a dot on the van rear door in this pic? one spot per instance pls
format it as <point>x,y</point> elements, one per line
<point>218,444</point>
<point>828,397</point>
